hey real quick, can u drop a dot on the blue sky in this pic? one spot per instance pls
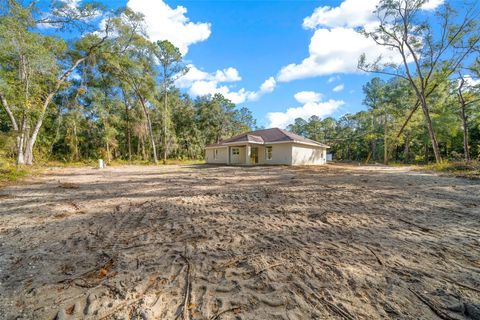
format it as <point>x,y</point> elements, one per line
<point>281,59</point>
<point>258,38</point>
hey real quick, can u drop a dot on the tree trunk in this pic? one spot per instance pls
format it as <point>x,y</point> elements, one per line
<point>128,130</point>
<point>431,132</point>
<point>426,153</point>
<point>129,137</point>
<point>373,146</point>
<point>138,146</point>
<point>75,141</point>
<point>21,141</point>
<point>144,155</point>
<point>36,130</point>
<point>165,119</point>
<point>463,115</point>
<point>18,138</point>
<point>150,130</point>
<point>406,151</point>
<point>108,152</point>
<point>466,150</point>
<point>385,142</point>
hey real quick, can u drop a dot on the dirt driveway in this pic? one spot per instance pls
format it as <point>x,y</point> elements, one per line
<point>204,242</point>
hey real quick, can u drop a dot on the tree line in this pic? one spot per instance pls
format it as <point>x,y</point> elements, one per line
<point>426,105</point>
<point>382,134</point>
<point>93,93</point>
<point>71,91</point>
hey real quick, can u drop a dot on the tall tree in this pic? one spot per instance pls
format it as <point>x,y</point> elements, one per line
<point>172,67</point>
<point>467,95</point>
<point>375,98</point>
<point>130,57</point>
<point>428,57</point>
<point>34,69</point>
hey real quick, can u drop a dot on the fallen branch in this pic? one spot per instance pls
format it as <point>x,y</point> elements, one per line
<point>340,311</point>
<point>462,285</point>
<point>234,310</point>
<point>120,307</point>
<point>424,229</point>
<point>344,313</point>
<point>432,306</point>
<point>267,268</point>
<point>373,252</point>
<point>131,302</point>
<point>107,266</point>
<point>188,287</point>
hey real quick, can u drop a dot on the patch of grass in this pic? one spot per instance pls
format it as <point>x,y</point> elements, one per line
<point>11,173</point>
<point>185,161</point>
<point>63,164</point>
<point>160,162</point>
<point>136,162</point>
<point>459,168</point>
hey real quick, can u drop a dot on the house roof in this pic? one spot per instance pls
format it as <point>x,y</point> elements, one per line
<point>266,136</point>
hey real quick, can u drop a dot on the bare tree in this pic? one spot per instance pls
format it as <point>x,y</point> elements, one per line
<point>465,100</point>
<point>427,56</point>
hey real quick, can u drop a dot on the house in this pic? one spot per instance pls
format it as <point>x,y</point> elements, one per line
<point>269,146</point>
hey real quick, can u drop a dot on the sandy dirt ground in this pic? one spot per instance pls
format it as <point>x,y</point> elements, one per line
<point>205,242</point>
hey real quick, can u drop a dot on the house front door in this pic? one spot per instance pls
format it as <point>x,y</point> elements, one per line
<point>254,155</point>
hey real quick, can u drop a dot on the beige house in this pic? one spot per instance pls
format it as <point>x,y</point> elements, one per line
<point>264,147</point>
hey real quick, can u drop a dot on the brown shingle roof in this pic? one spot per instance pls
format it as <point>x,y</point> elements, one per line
<point>266,136</point>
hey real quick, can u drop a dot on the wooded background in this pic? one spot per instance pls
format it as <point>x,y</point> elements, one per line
<point>80,93</point>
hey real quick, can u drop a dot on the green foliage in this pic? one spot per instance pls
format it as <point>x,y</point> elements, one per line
<point>12,173</point>
<point>377,132</point>
<point>111,94</point>
<point>459,168</point>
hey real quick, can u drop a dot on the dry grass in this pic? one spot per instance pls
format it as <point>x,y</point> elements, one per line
<point>464,169</point>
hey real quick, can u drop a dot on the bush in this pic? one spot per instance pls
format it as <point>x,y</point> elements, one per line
<point>460,168</point>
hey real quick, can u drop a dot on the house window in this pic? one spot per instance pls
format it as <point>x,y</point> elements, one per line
<point>215,154</point>
<point>268,153</point>
<point>235,151</point>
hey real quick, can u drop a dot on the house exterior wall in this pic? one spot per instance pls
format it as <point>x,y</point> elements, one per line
<point>222,155</point>
<point>261,155</point>
<point>308,155</point>
<point>281,154</point>
<point>237,159</point>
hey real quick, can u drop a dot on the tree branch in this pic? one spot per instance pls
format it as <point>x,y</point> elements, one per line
<point>9,111</point>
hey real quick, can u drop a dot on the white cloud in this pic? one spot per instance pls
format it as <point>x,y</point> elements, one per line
<point>432,4</point>
<point>312,106</point>
<point>165,23</point>
<point>73,4</point>
<point>268,85</point>
<point>333,51</point>
<point>194,74</point>
<point>339,88</point>
<point>308,96</point>
<point>471,82</point>
<point>200,83</point>
<point>350,13</point>
<point>336,46</point>
<point>227,75</point>
<point>333,79</point>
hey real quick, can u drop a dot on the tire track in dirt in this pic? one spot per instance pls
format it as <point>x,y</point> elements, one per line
<point>263,243</point>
